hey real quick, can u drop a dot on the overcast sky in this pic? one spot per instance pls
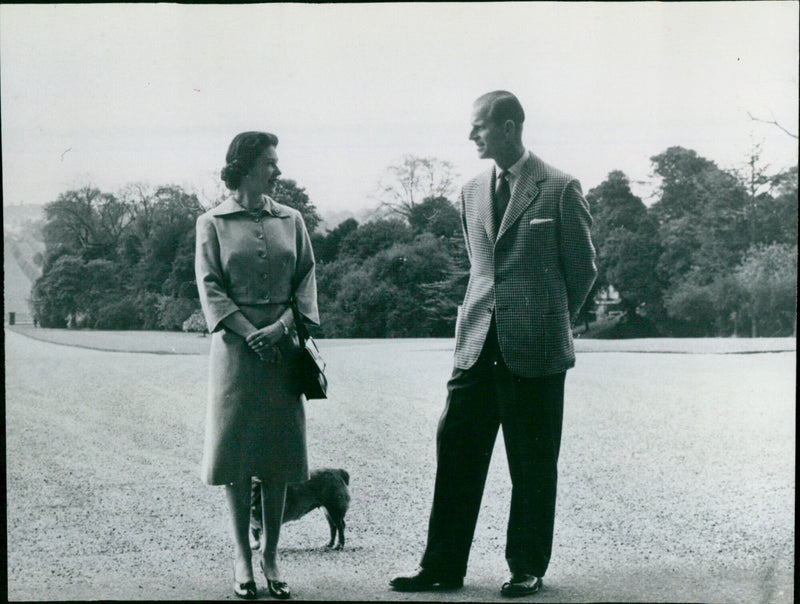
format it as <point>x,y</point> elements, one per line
<point>115,94</point>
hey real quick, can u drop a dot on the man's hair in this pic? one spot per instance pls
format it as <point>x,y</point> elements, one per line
<point>501,106</point>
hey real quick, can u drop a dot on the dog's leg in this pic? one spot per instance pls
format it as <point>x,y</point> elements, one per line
<point>336,523</point>
<point>332,526</point>
<point>340,528</point>
<point>256,533</point>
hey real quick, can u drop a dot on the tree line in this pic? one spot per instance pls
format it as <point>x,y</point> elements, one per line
<point>126,260</point>
<point>714,255</point>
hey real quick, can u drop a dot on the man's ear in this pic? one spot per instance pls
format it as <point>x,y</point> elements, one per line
<point>509,128</point>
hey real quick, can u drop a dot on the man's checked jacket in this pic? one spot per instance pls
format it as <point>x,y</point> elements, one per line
<point>533,272</point>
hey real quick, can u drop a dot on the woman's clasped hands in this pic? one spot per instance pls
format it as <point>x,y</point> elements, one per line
<point>263,341</point>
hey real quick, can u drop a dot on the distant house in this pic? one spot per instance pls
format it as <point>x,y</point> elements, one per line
<point>608,303</point>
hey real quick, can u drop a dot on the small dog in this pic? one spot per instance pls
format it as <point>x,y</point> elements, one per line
<point>326,488</point>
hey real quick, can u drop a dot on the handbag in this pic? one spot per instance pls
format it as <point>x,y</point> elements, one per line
<point>309,366</point>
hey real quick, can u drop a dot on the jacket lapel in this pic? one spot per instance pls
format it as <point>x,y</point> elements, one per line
<point>484,203</point>
<point>524,193</point>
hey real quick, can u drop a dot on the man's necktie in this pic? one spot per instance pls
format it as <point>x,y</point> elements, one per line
<point>502,196</point>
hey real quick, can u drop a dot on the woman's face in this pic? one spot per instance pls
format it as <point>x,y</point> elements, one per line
<point>265,172</point>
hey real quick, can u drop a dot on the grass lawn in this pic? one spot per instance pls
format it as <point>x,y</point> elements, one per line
<point>173,342</point>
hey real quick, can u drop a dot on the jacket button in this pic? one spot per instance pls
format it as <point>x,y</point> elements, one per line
<point>256,219</point>
<point>260,235</point>
<point>262,254</point>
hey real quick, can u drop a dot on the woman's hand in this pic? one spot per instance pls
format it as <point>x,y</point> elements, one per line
<point>261,341</point>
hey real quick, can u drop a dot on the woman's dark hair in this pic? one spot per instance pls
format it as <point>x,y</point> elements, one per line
<point>243,151</point>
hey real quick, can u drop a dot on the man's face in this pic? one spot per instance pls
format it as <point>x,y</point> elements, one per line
<point>488,135</point>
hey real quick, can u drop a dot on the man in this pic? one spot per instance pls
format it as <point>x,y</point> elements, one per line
<point>527,231</point>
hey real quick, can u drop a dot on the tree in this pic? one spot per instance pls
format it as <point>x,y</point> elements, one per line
<point>784,209</point>
<point>776,218</point>
<point>768,279</point>
<point>702,217</point>
<point>107,258</point>
<point>180,282</point>
<point>725,260</point>
<point>173,312</point>
<point>127,261</point>
<point>289,193</point>
<point>123,313</point>
<point>56,296</point>
<point>613,205</point>
<point>754,179</point>
<point>773,122</point>
<point>326,247</point>
<point>723,225</point>
<point>142,200</point>
<point>361,306</point>
<point>162,230</point>
<point>628,261</point>
<point>388,293</point>
<point>679,170</point>
<point>374,236</point>
<point>425,271</point>
<point>436,215</point>
<point>86,222</point>
<point>693,308</point>
<point>330,276</point>
<point>627,240</point>
<point>413,180</point>
<point>406,265</point>
<point>102,283</point>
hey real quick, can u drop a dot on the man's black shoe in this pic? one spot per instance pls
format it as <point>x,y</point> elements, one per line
<point>427,580</point>
<point>520,584</point>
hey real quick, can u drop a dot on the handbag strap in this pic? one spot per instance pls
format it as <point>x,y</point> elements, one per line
<point>299,323</point>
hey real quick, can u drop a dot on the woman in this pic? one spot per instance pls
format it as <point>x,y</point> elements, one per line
<point>253,256</point>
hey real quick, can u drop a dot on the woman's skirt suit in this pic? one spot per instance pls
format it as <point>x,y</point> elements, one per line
<point>253,263</point>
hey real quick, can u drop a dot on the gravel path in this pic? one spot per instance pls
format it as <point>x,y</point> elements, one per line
<point>677,477</point>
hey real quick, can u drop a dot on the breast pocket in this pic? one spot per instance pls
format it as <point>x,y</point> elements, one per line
<point>542,235</point>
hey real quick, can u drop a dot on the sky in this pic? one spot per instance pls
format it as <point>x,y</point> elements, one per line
<point>113,94</point>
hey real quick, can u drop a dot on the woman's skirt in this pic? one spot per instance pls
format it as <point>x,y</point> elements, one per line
<point>255,420</point>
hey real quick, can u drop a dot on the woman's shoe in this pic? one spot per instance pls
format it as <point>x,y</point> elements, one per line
<point>278,589</point>
<point>246,591</point>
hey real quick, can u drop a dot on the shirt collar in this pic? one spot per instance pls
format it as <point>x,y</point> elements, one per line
<point>515,170</point>
<point>231,206</point>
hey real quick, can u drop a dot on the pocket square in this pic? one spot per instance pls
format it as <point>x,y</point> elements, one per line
<point>536,221</point>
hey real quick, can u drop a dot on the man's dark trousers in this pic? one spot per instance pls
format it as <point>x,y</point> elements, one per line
<point>479,400</point>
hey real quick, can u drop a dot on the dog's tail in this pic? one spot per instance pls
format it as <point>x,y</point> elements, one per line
<point>345,476</point>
